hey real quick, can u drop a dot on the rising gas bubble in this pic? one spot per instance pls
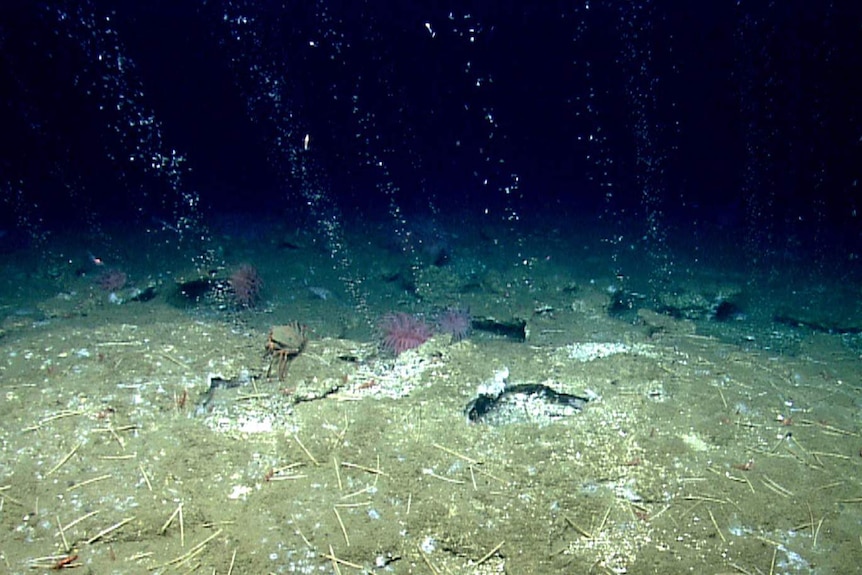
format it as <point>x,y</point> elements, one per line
<point>650,132</point>
<point>151,172</point>
<point>267,83</point>
<point>469,33</point>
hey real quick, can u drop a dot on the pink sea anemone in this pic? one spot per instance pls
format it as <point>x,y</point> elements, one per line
<point>402,331</point>
<point>455,321</point>
<point>246,284</point>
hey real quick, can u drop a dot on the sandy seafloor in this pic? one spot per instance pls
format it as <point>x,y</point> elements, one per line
<point>706,447</point>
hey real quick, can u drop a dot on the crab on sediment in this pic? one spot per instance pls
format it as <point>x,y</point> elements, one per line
<point>284,343</point>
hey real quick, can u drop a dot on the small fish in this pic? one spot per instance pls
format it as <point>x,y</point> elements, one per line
<point>166,225</point>
<point>320,292</point>
<point>96,261</point>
